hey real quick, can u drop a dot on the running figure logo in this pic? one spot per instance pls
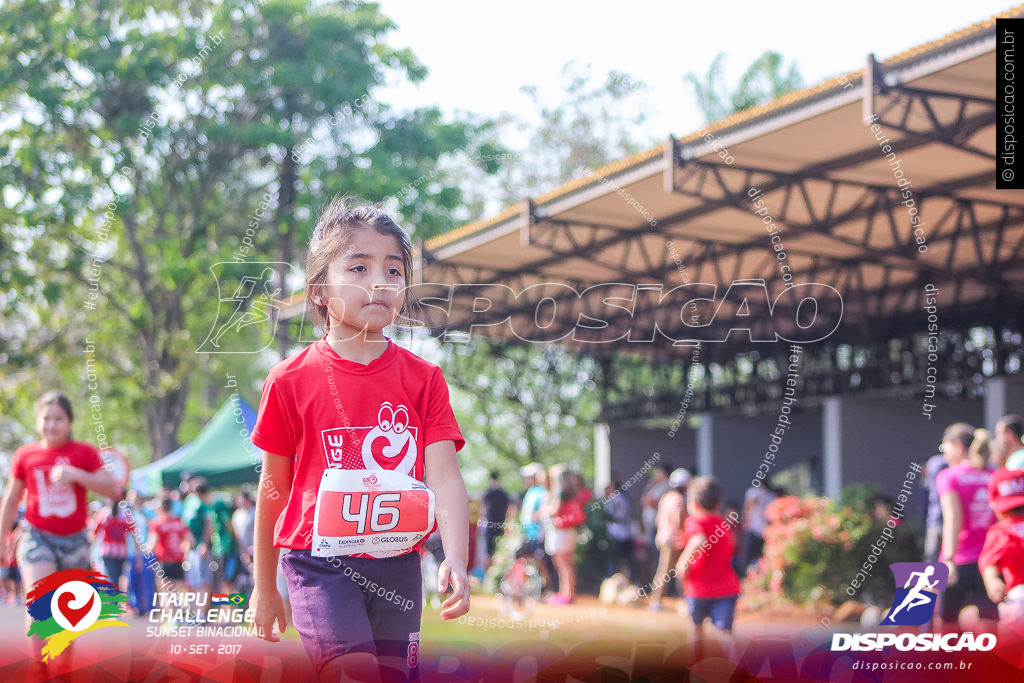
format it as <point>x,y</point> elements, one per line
<point>914,603</point>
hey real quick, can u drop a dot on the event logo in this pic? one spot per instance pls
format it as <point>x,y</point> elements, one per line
<point>68,603</point>
<point>914,603</point>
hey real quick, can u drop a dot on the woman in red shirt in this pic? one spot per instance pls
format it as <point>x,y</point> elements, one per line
<point>53,474</point>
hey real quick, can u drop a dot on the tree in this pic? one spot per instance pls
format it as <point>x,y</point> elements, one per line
<point>145,139</point>
<point>763,81</point>
<point>526,403</point>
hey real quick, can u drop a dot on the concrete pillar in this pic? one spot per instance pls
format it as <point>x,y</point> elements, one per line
<point>995,400</point>
<point>1003,396</point>
<point>705,445</point>
<point>602,457</point>
<point>832,446</point>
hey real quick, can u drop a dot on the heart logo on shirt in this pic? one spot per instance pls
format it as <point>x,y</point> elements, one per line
<point>390,445</point>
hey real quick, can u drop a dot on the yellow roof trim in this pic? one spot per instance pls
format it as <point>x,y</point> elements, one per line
<point>783,102</point>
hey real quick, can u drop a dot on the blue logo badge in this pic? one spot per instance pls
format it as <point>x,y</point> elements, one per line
<point>918,585</point>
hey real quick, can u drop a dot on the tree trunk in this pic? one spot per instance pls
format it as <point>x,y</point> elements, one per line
<point>165,410</point>
<point>287,178</point>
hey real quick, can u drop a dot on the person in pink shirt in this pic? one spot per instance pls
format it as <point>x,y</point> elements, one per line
<point>966,517</point>
<point>669,525</point>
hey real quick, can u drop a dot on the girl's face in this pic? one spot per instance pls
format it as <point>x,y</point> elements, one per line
<point>53,425</point>
<point>365,285</point>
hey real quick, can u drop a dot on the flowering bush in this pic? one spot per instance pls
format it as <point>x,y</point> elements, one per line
<point>814,547</point>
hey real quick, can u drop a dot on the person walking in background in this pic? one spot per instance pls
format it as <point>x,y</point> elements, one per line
<point>243,522</point>
<point>565,515</point>
<point>583,492</point>
<point>705,566</point>
<point>531,521</point>
<point>933,510</point>
<point>731,510</point>
<point>111,532</point>
<point>966,517</point>
<point>755,519</point>
<point>619,525</point>
<point>656,487</point>
<point>196,516</point>
<point>1009,449</point>
<point>168,538</point>
<point>223,548</point>
<point>533,503</point>
<point>496,504</point>
<point>669,522</point>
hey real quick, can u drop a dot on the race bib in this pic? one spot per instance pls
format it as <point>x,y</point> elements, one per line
<point>381,513</point>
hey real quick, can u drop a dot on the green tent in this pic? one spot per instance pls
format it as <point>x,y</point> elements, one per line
<point>222,453</point>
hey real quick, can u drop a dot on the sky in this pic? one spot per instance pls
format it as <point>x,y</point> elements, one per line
<point>480,53</point>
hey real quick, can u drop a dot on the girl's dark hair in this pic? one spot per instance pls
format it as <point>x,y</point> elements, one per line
<point>55,398</point>
<point>567,485</point>
<point>330,237</point>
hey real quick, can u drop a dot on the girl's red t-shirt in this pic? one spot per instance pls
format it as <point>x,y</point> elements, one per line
<point>58,509</point>
<point>326,411</point>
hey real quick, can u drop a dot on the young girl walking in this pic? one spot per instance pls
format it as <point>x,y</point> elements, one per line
<point>53,475</point>
<point>360,442</point>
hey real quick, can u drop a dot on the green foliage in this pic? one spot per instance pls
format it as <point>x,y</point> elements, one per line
<point>763,81</point>
<point>139,143</point>
<point>531,403</point>
<point>815,547</point>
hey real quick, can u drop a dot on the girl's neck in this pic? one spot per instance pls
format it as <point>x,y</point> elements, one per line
<point>54,444</point>
<point>362,348</point>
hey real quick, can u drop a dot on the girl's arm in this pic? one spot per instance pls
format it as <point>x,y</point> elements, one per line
<point>689,550</point>
<point>100,481</point>
<point>994,584</point>
<point>271,497</point>
<point>952,522</point>
<point>452,512</point>
<point>8,513</point>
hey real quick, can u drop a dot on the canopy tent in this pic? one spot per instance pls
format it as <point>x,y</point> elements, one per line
<point>147,479</point>
<point>222,453</point>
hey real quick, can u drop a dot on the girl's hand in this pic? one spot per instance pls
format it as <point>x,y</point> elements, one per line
<point>953,575</point>
<point>996,590</point>
<point>268,607</point>
<point>64,474</point>
<point>5,550</point>
<point>453,575</point>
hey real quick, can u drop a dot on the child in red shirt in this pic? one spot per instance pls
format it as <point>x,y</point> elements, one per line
<point>1002,558</point>
<point>112,532</point>
<point>709,581</point>
<point>168,534</point>
<point>355,430</point>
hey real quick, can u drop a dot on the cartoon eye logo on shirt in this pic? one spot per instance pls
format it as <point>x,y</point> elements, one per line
<point>390,445</point>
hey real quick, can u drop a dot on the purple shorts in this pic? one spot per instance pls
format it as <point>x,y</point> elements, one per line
<point>357,604</point>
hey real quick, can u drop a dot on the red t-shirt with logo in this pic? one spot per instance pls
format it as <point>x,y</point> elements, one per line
<point>169,533</point>
<point>328,411</point>
<point>710,573</point>
<point>58,509</point>
<point>112,535</point>
<point>1004,550</point>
